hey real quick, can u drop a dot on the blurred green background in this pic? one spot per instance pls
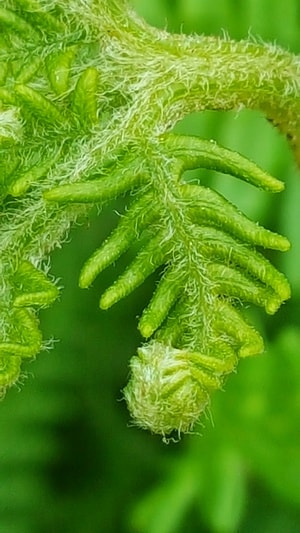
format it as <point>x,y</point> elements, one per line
<point>69,460</point>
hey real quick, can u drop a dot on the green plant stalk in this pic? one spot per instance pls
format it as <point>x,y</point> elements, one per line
<point>88,95</point>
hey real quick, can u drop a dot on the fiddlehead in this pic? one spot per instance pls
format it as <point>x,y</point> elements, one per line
<point>73,84</point>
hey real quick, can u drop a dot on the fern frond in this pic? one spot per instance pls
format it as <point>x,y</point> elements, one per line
<point>209,266</point>
<point>88,97</point>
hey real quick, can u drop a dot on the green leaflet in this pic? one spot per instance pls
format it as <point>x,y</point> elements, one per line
<point>208,205</point>
<point>147,261</point>
<point>85,97</point>
<point>28,177</point>
<point>41,107</point>
<point>33,287</point>
<point>95,191</point>
<point>164,297</point>
<point>58,69</point>
<point>29,70</point>
<point>229,250</point>
<point>25,338</point>
<point>10,368</point>
<point>130,228</point>
<point>195,153</point>
<point>40,18</point>
<point>11,21</point>
<point>229,321</point>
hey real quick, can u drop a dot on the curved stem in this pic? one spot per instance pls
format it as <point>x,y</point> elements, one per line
<point>198,72</point>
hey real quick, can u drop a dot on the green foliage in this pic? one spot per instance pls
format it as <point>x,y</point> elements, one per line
<point>65,451</point>
<point>74,138</point>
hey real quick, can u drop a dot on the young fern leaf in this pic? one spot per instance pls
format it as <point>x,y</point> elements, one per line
<point>88,97</point>
<point>208,268</point>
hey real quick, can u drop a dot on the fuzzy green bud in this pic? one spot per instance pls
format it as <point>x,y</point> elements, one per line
<point>165,393</point>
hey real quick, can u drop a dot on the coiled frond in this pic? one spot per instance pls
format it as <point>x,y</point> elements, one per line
<point>88,97</point>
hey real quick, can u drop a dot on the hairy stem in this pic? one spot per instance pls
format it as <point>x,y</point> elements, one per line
<point>194,73</point>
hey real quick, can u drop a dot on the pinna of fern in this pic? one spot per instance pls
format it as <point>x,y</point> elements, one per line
<point>74,79</point>
<point>207,250</point>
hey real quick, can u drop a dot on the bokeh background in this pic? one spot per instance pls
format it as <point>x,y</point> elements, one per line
<point>69,460</point>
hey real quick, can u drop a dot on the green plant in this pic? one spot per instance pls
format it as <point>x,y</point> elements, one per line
<point>89,96</point>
